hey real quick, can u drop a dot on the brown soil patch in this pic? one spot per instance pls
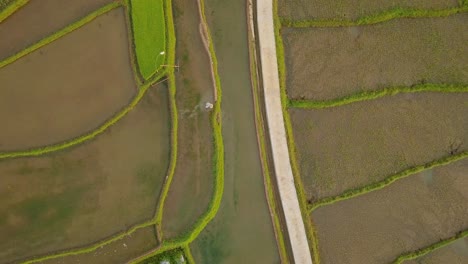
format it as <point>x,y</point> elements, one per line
<point>68,87</point>
<point>455,253</point>
<point>351,9</point>
<point>120,251</point>
<point>39,19</point>
<point>84,194</point>
<point>405,216</point>
<point>356,144</point>
<point>191,189</point>
<point>325,63</point>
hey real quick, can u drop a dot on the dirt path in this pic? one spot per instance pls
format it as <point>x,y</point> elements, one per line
<point>274,114</point>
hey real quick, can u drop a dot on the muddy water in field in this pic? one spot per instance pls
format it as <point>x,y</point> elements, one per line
<point>84,194</point>
<point>194,170</point>
<point>242,231</point>
<point>68,87</point>
<point>40,18</point>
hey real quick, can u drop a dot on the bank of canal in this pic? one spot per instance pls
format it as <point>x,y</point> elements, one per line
<point>242,231</point>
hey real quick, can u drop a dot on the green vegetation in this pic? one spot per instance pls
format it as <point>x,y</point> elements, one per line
<point>387,181</point>
<point>60,34</point>
<point>8,7</point>
<point>369,95</point>
<point>148,23</point>
<point>375,18</point>
<point>311,234</point>
<point>423,251</point>
<point>173,256</point>
<point>264,154</point>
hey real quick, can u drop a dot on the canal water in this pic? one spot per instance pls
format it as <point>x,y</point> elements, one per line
<point>242,231</point>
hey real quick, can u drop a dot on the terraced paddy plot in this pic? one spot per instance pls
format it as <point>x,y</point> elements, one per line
<point>87,193</point>
<point>357,144</point>
<point>119,251</point>
<point>407,215</point>
<point>325,63</point>
<point>192,187</point>
<point>149,32</point>
<point>39,19</point>
<point>352,9</point>
<point>455,253</point>
<point>68,87</point>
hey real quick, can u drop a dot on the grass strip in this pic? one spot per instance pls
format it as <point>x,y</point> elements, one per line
<point>131,41</point>
<point>423,251</point>
<point>311,233</point>
<point>60,33</point>
<point>11,8</point>
<point>384,16</point>
<point>149,32</point>
<point>260,126</point>
<point>171,44</point>
<point>188,254</point>
<point>82,138</point>
<point>370,95</point>
<point>387,181</point>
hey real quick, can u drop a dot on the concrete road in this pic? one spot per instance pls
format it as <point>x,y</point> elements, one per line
<point>274,114</point>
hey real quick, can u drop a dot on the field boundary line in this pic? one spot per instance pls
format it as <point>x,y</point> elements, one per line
<point>85,137</point>
<point>60,33</point>
<point>311,233</point>
<point>260,127</point>
<point>351,193</point>
<point>423,251</point>
<point>11,8</point>
<point>384,16</point>
<point>171,44</point>
<point>188,254</point>
<point>370,95</point>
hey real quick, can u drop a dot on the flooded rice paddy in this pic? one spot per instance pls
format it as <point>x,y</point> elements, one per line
<point>379,226</point>
<point>89,192</point>
<point>39,19</point>
<point>68,87</point>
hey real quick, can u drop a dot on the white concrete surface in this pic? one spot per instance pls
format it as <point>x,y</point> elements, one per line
<point>274,113</point>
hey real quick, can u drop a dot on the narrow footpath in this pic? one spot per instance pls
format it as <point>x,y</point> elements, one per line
<point>279,146</point>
